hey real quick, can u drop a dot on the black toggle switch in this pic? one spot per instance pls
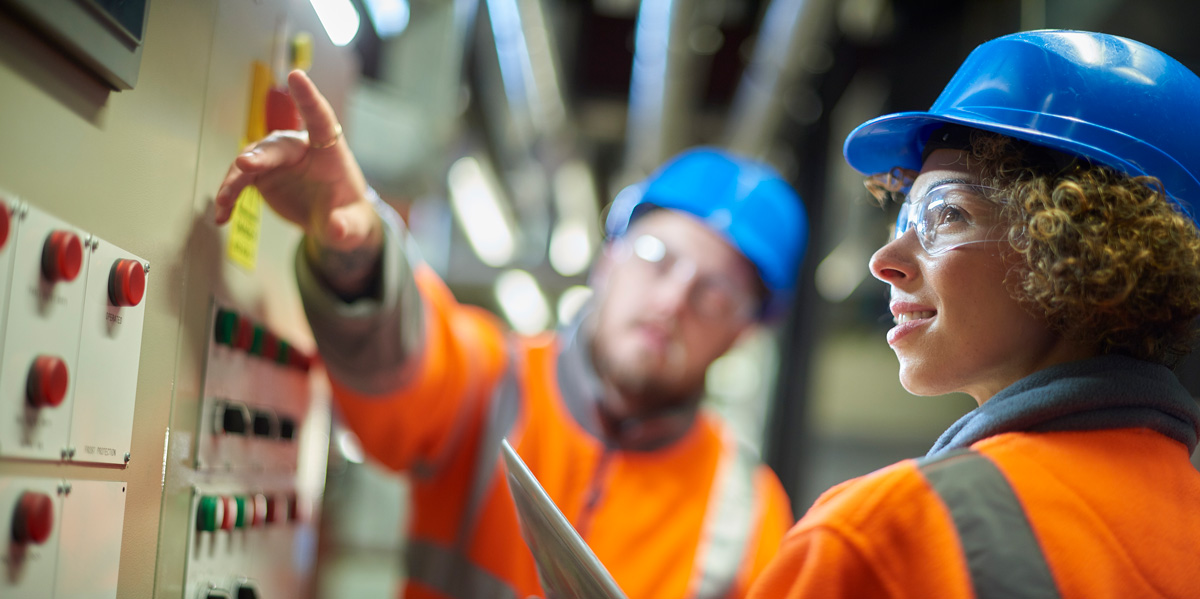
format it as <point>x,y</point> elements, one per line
<point>287,428</point>
<point>265,424</point>
<point>232,418</point>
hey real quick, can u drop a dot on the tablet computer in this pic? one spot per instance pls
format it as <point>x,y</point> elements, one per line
<point>567,566</point>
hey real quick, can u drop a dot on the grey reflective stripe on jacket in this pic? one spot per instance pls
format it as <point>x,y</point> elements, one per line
<point>447,569</point>
<point>1004,559</point>
<point>728,524</point>
<point>450,573</point>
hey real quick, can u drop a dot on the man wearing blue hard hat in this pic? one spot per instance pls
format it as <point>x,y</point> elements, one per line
<point>605,412</point>
<point>1046,261</point>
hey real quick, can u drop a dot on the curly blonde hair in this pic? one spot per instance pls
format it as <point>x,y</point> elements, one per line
<point>1105,257</point>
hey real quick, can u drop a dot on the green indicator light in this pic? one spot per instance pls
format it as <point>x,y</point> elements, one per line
<point>225,325</point>
<point>206,514</point>
<point>242,508</point>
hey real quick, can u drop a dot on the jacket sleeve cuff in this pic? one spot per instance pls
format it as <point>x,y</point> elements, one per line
<point>371,344</point>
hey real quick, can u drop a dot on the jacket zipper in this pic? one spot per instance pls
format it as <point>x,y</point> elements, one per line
<point>595,490</point>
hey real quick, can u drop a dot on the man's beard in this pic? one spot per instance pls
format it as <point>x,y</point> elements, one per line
<point>646,390</point>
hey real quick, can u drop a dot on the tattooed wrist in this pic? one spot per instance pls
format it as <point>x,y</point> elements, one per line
<point>350,274</point>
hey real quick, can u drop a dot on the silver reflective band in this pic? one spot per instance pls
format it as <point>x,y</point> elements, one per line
<point>1004,559</point>
<point>729,523</point>
<point>452,574</point>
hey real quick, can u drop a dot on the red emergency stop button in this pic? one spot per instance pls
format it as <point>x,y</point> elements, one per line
<point>126,283</point>
<point>5,223</point>
<point>33,519</point>
<point>47,382</point>
<point>62,256</point>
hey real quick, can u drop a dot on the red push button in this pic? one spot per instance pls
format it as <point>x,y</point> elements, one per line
<point>126,283</point>
<point>281,111</point>
<point>62,256</point>
<point>33,520</point>
<point>47,382</point>
<point>5,223</point>
<point>272,513</point>
<point>230,512</point>
<point>260,510</point>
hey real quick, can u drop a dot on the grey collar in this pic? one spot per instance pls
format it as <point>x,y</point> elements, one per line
<point>1106,392</point>
<point>582,390</point>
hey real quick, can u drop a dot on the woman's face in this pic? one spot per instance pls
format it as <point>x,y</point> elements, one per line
<point>958,328</point>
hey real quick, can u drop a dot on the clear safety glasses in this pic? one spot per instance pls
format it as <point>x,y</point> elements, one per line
<point>951,215</point>
<point>710,295</point>
<point>946,216</point>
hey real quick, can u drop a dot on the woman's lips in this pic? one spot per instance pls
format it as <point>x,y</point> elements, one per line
<point>905,328</point>
<point>908,318</point>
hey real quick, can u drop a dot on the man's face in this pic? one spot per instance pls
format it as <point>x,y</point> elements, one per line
<point>672,296</point>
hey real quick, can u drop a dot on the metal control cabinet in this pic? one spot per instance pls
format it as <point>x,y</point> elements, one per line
<point>124,443</point>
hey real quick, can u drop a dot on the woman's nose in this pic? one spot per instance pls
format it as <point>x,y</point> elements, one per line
<point>894,262</point>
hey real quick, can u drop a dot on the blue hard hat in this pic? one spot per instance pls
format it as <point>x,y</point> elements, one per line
<point>1115,101</point>
<point>744,200</point>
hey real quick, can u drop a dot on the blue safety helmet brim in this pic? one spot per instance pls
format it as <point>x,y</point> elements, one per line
<point>1113,101</point>
<point>744,201</point>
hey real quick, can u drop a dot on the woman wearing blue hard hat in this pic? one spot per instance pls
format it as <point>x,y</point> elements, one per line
<point>1046,261</point>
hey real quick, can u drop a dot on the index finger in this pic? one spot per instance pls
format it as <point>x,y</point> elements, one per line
<point>318,114</point>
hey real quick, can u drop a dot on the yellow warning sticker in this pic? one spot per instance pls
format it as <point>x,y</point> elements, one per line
<point>244,226</point>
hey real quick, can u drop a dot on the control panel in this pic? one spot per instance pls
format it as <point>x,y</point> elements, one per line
<point>72,334</point>
<point>122,410</point>
<point>70,343</point>
<point>249,505</point>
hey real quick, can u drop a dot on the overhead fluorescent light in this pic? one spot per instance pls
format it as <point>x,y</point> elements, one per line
<point>389,17</point>
<point>339,18</point>
<point>522,301</point>
<point>486,221</point>
<point>571,301</point>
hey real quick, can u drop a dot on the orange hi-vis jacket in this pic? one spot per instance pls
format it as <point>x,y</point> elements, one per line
<point>672,506</point>
<point>1082,489</point>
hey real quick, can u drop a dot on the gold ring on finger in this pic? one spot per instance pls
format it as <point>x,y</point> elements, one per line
<point>337,135</point>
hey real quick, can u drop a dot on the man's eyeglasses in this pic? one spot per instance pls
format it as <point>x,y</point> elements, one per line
<point>710,295</point>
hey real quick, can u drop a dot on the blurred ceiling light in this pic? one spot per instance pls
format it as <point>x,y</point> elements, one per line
<point>571,301</point>
<point>842,271</point>
<point>339,18</point>
<point>576,234</point>
<point>570,248</point>
<point>864,20</point>
<point>475,198</point>
<point>575,191</point>
<point>522,301</point>
<point>390,17</point>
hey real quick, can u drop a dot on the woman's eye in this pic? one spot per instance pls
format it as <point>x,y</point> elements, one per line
<point>948,214</point>
<point>952,214</point>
